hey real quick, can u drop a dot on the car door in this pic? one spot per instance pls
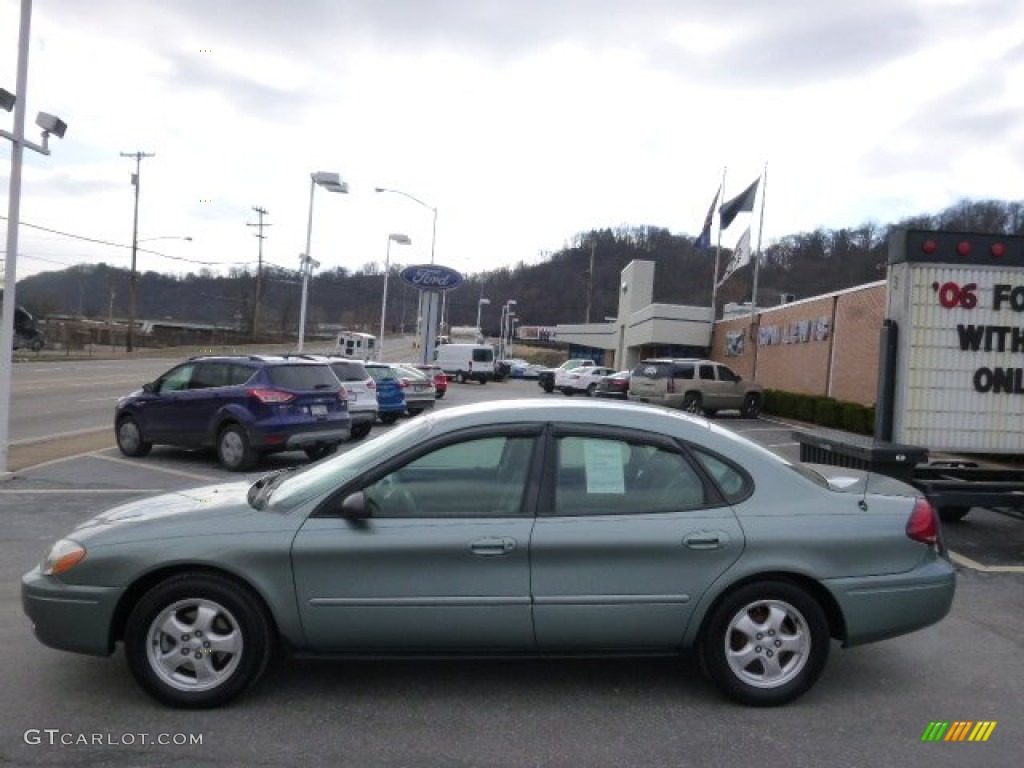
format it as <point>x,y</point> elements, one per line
<point>731,387</point>
<point>441,564</point>
<point>710,387</point>
<point>630,533</point>
<point>162,409</point>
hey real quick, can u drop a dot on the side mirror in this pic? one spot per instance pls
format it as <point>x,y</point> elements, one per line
<point>354,507</point>
<point>149,387</point>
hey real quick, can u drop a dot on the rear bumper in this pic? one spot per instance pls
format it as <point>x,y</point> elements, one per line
<point>368,416</point>
<point>306,439</point>
<point>880,607</point>
<point>69,618</point>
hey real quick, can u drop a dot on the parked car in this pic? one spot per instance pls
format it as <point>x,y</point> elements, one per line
<point>521,369</point>
<point>418,388</point>
<point>466,362</point>
<point>390,394</point>
<point>615,386</point>
<point>694,385</point>
<point>436,375</point>
<point>245,406</point>
<point>516,527</point>
<point>546,377</point>
<point>362,393</point>
<point>583,379</point>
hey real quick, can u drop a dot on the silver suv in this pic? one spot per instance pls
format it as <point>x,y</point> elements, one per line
<point>694,385</point>
<point>362,393</point>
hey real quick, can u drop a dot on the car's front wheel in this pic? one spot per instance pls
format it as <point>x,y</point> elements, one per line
<point>766,643</point>
<point>129,438</point>
<point>234,449</point>
<point>317,452</point>
<point>197,641</point>
<point>359,431</point>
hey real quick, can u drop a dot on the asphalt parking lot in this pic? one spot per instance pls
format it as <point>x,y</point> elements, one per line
<point>870,708</point>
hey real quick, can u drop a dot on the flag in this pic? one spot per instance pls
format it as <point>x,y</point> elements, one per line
<point>742,202</point>
<point>740,256</point>
<point>703,241</point>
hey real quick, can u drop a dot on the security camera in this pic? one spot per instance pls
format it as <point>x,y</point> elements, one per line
<point>51,124</point>
<point>7,100</point>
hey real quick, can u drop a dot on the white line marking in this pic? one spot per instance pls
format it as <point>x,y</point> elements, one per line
<point>966,562</point>
<point>156,468</point>
<point>63,436</point>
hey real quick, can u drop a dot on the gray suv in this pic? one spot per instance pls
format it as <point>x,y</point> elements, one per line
<point>697,386</point>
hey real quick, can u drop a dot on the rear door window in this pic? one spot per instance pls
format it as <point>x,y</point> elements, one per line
<point>707,372</point>
<point>683,371</point>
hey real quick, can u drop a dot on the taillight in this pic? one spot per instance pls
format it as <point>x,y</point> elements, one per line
<point>343,395</point>
<point>270,395</point>
<point>370,384</point>
<point>922,525</point>
<point>403,383</point>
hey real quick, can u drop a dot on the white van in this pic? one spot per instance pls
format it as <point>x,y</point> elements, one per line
<point>465,362</point>
<point>355,345</point>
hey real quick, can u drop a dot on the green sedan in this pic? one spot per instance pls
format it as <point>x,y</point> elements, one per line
<point>514,528</point>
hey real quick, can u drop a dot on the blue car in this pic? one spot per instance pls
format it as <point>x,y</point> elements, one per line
<point>245,406</point>
<point>390,395</point>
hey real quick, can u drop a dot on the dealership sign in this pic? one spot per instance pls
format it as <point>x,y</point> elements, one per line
<point>958,303</point>
<point>431,277</point>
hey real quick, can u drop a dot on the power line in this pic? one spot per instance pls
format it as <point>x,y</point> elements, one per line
<point>122,245</point>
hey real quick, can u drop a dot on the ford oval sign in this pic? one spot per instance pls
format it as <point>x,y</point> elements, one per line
<point>431,277</point>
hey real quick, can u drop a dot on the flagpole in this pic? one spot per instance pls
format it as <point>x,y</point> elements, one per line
<point>760,229</point>
<point>718,247</point>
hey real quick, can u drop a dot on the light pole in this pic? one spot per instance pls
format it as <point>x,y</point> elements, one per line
<point>333,183</point>
<point>433,233</point>
<point>133,278</point>
<point>401,240</point>
<point>49,124</point>
<point>479,313</point>
<point>506,312</point>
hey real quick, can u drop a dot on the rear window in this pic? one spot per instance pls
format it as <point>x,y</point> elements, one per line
<point>653,370</point>
<point>302,377</point>
<point>349,371</point>
<point>381,373</point>
<point>483,356</point>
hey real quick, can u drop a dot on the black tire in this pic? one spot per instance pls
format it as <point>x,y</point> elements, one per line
<point>460,377</point>
<point>782,615</point>
<point>691,403</point>
<point>317,452</point>
<point>751,406</point>
<point>129,438</point>
<point>483,380</point>
<point>568,391</point>
<point>591,389</point>
<point>388,418</point>
<point>234,450</point>
<point>37,345</point>
<point>953,514</point>
<point>440,393</point>
<point>359,432</point>
<point>549,388</point>
<point>232,620</point>
<point>415,411</point>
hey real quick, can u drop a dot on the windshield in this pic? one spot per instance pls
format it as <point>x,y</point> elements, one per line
<point>288,491</point>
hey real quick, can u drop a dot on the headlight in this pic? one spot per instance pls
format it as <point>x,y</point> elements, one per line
<point>63,556</point>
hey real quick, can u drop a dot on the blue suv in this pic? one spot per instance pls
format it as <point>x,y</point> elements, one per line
<point>244,406</point>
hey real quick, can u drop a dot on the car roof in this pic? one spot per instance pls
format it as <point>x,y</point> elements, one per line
<point>267,359</point>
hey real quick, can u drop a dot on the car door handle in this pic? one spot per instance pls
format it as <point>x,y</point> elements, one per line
<point>705,540</point>
<point>492,546</point>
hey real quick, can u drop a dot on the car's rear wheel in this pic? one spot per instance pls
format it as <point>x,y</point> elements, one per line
<point>388,418</point>
<point>359,431</point>
<point>591,389</point>
<point>415,411</point>
<point>691,403</point>
<point>129,438</point>
<point>751,406</point>
<point>460,377</point>
<point>197,641</point>
<point>234,449</point>
<point>568,391</point>
<point>317,452</point>
<point>766,643</point>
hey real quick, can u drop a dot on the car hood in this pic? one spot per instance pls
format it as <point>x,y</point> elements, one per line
<point>212,501</point>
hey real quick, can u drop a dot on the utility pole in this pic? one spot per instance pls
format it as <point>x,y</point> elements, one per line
<point>133,279</point>
<point>261,212</point>
<point>590,279</point>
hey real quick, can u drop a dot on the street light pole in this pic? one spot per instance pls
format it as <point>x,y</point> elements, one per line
<point>401,240</point>
<point>133,278</point>
<point>479,312</point>
<point>332,183</point>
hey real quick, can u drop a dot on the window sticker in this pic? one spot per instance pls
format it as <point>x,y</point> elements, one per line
<point>602,460</point>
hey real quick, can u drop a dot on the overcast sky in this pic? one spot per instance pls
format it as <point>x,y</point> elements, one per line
<point>524,122</point>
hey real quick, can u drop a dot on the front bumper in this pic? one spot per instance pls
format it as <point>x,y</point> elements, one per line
<point>69,618</point>
<point>880,607</point>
